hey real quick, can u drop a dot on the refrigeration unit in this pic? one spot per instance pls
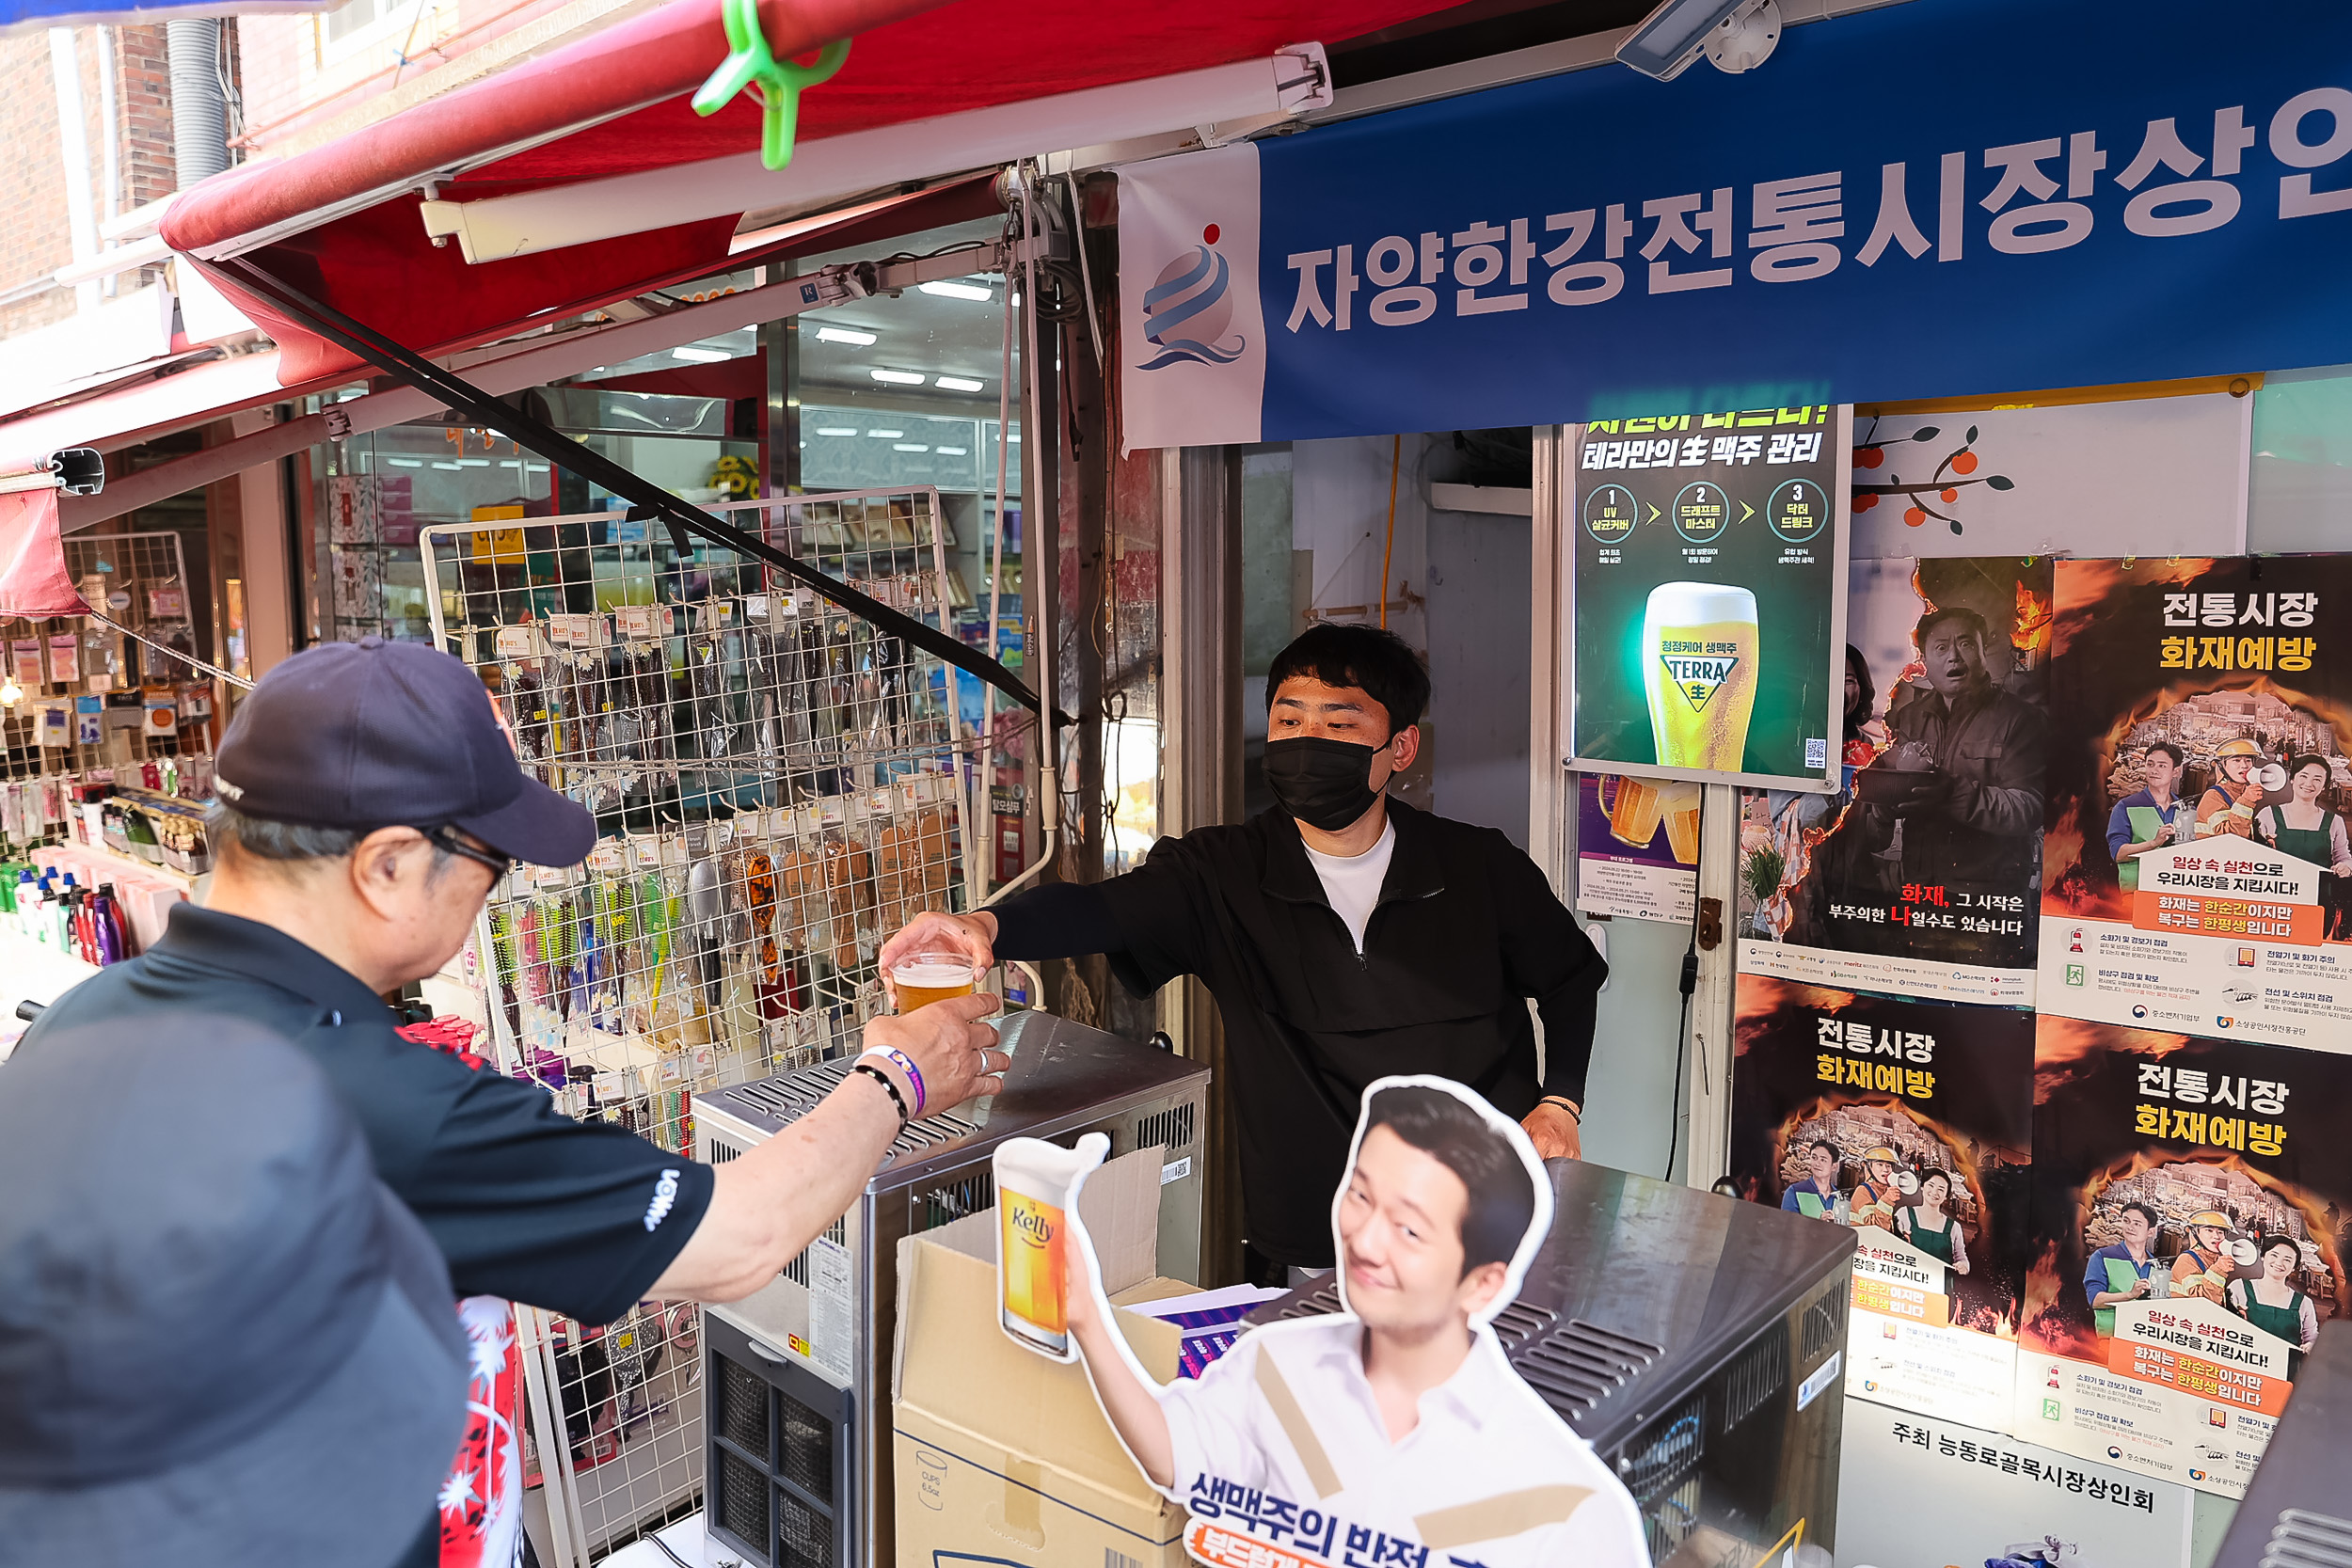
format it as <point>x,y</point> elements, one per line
<point>797,1376</point>
<point>1698,1343</point>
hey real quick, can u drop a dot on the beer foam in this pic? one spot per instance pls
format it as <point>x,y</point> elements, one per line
<point>932,973</point>
<point>1696,603</point>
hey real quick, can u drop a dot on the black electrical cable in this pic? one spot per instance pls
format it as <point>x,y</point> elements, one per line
<point>405,364</point>
<point>1690,987</point>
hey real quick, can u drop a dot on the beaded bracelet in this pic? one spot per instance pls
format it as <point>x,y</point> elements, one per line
<point>879,1076</point>
<point>905,1064</point>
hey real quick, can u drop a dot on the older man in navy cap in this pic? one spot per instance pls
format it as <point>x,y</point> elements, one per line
<point>368,801</point>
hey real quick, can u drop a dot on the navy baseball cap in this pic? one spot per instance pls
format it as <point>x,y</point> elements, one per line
<point>375,733</point>
<point>223,1341</point>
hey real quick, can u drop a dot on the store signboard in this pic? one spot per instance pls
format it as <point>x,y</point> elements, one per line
<point>1710,553</point>
<point>1919,877</point>
<point>1637,847</point>
<point>1925,1493</point>
<point>2193,1189</point>
<point>2225,906</point>
<point>2007,194</point>
<point>1910,1122</point>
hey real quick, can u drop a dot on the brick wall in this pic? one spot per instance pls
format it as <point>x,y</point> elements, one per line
<point>36,237</point>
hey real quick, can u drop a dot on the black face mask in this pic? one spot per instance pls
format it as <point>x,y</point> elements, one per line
<point>1325,784</point>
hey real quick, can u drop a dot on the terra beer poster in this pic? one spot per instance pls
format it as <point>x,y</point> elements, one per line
<point>1910,1122</point>
<point>1921,876</point>
<point>2190,1210</point>
<point>2196,865</point>
<point>1709,567</point>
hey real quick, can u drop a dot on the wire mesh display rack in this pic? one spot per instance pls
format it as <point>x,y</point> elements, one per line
<point>778,786</point>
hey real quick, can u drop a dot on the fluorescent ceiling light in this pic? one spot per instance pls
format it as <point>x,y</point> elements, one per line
<point>959,384</point>
<point>886,434</point>
<point>836,430</point>
<point>703,355</point>
<point>910,446</point>
<point>510,463</point>
<point>452,467</point>
<point>474,462</point>
<point>896,378</point>
<point>406,462</point>
<point>844,335</point>
<point>952,452</point>
<point>1014,436</point>
<point>972,292</point>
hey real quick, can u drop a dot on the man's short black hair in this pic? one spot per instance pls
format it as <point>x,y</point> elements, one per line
<point>1936,618</point>
<point>1831,1146</point>
<point>2156,1221</point>
<point>2180,758</point>
<point>1501,1197</point>
<point>1378,662</point>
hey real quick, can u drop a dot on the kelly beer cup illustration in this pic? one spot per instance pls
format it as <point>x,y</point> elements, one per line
<point>1036,1189</point>
<point>1699,655</point>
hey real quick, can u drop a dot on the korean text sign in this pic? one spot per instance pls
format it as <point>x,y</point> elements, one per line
<point>2008,195</point>
<point>1709,555</point>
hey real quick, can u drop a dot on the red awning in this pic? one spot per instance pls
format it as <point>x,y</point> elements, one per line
<point>340,222</point>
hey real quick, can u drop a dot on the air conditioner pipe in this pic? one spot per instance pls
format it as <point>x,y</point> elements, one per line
<point>200,107</point>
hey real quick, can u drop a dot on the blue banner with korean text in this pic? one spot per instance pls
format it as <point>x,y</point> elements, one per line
<point>1934,199</point>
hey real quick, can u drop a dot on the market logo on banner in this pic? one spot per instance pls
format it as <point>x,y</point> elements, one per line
<point>1187,309</point>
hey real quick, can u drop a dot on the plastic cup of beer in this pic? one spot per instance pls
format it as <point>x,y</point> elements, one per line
<point>932,975</point>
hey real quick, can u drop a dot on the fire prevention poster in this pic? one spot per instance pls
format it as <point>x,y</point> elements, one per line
<point>2196,866</point>
<point>1921,876</point>
<point>1709,568</point>
<point>1912,1123</point>
<point>2189,1198</point>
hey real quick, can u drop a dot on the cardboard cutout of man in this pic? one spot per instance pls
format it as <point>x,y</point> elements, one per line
<point>1394,1430</point>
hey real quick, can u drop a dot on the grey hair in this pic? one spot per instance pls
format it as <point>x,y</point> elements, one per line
<point>290,843</point>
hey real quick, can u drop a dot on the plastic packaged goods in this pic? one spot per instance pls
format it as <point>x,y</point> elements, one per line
<point>1036,1187</point>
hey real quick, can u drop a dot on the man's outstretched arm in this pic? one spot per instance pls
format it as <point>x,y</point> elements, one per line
<point>1131,1404</point>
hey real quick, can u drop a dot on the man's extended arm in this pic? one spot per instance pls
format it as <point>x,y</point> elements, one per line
<point>1547,958</point>
<point>768,1206</point>
<point>1132,1404</point>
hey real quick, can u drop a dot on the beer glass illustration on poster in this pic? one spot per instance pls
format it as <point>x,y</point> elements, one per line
<point>1921,876</point>
<point>1710,569</point>
<point>2196,865</point>
<point>2191,1206</point>
<point>1637,847</point>
<point>1912,1122</point>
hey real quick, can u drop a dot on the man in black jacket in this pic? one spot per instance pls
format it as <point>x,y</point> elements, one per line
<point>1345,936</point>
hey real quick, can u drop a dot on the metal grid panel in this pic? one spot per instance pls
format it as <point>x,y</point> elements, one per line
<point>139,582</point>
<point>778,786</point>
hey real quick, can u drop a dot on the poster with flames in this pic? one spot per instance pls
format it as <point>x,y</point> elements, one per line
<point>2192,1204</point>
<point>2196,865</point>
<point>1910,1122</point>
<point>1920,876</point>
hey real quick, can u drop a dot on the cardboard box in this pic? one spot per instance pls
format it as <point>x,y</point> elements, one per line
<point>1002,1456</point>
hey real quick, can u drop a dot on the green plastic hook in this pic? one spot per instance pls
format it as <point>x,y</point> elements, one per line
<point>780,82</point>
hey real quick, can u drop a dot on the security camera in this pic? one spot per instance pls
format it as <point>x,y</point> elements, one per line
<point>1737,35</point>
